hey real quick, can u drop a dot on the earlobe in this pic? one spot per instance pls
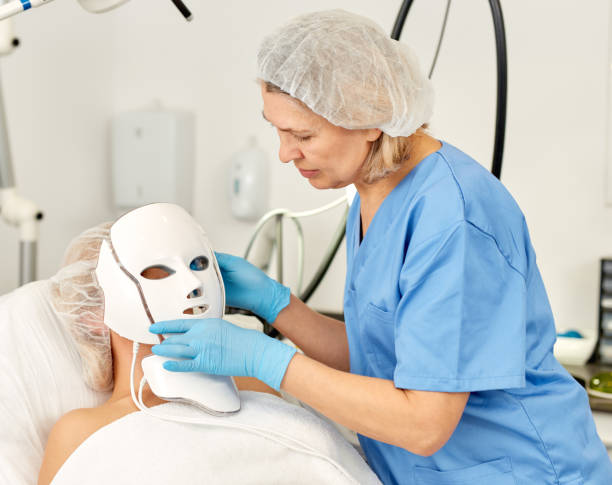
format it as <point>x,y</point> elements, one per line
<point>373,134</point>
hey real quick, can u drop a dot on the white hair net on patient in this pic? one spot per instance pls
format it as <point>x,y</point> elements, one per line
<point>79,303</point>
<point>345,68</point>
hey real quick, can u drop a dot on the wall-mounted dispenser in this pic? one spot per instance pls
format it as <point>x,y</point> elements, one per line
<point>249,182</point>
<point>152,157</point>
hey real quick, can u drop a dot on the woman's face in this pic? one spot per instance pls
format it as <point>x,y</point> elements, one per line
<point>328,156</point>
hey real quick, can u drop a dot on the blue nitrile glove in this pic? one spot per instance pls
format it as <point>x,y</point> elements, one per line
<point>214,346</point>
<point>248,287</point>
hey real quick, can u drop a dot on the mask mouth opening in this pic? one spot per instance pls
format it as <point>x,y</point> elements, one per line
<point>196,310</point>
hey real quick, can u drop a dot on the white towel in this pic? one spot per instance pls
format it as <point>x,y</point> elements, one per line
<point>40,380</point>
<point>139,448</point>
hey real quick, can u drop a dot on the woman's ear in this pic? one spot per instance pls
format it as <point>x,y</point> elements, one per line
<point>373,134</point>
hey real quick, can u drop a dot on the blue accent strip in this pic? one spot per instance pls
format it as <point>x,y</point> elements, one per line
<point>26,4</point>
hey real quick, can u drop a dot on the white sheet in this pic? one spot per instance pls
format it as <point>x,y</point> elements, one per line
<point>40,380</point>
<point>142,449</point>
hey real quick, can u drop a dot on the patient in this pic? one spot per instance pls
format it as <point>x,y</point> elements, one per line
<point>106,357</point>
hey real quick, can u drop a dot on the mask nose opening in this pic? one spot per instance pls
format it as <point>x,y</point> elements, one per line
<point>196,309</point>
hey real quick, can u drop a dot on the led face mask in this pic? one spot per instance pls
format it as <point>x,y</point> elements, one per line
<point>158,266</point>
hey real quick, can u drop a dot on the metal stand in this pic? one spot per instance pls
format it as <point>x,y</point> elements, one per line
<point>7,179</point>
<point>27,261</point>
<point>25,215</point>
<point>14,209</point>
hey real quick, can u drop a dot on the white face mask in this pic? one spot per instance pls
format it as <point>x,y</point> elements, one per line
<point>159,266</point>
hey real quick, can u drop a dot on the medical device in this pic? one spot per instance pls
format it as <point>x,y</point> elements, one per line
<point>14,7</point>
<point>214,394</point>
<point>159,265</point>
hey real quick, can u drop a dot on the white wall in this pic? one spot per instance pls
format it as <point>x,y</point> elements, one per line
<point>94,67</point>
<point>56,88</point>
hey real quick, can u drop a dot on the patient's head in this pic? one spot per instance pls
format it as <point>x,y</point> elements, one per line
<point>154,263</point>
<point>79,301</point>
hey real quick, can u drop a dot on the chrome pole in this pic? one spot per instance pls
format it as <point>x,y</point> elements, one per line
<point>27,261</point>
<point>7,179</point>
<point>16,210</point>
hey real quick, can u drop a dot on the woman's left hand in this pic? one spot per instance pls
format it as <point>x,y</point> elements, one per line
<point>215,346</point>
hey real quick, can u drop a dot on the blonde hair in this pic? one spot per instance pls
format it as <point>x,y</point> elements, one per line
<point>387,153</point>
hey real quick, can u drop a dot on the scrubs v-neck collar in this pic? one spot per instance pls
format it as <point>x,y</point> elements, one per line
<point>389,208</point>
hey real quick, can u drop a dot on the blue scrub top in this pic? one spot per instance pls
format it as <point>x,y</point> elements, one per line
<point>444,294</point>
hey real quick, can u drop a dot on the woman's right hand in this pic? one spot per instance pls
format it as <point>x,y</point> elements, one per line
<point>248,287</point>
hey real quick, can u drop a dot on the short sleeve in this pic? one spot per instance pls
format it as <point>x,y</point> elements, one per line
<point>460,324</point>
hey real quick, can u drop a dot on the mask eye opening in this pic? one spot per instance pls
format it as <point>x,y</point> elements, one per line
<point>199,263</point>
<point>157,272</point>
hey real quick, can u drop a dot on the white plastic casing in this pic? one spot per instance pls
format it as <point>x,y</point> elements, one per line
<point>248,186</point>
<point>152,158</point>
<point>157,234</point>
<point>214,394</point>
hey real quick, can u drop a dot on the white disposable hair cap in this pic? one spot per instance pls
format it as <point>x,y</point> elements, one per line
<point>79,302</point>
<point>345,68</point>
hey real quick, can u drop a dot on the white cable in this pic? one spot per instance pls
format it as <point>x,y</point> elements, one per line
<point>135,347</point>
<point>300,234</point>
<point>280,438</point>
<point>314,212</point>
<point>300,255</point>
<point>260,225</point>
<point>294,216</point>
<point>298,215</point>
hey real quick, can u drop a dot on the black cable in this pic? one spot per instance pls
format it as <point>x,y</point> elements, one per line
<point>185,12</point>
<point>400,19</point>
<point>326,263</point>
<point>502,86</point>
<point>502,75</point>
<point>442,31</point>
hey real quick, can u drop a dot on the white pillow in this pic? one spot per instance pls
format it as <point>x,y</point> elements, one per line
<point>40,380</point>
